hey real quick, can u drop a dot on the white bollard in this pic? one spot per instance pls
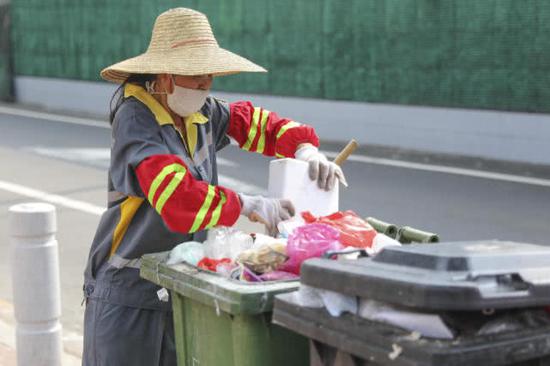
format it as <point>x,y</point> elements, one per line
<point>35,278</point>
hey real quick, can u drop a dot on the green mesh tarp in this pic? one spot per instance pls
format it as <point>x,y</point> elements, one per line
<point>458,53</point>
<point>5,61</point>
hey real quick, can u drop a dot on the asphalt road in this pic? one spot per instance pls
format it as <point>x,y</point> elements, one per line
<point>70,160</point>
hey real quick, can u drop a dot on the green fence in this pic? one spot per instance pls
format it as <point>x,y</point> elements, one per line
<point>458,53</point>
<point>6,90</point>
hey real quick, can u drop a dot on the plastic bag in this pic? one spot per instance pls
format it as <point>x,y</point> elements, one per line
<point>308,297</point>
<point>381,241</point>
<point>278,276</point>
<point>287,227</point>
<point>337,304</point>
<point>354,231</point>
<point>211,264</point>
<point>427,324</point>
<point>264,258</point>
<point>191,252</point>
<point>228,270</point>
<point>226,242</point>
<point>309,241</point>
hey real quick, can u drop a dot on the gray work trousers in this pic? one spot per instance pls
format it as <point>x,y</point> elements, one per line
<point>116,335</point>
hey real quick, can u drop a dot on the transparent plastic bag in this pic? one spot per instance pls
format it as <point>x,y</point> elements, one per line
<point>226,242</point>
<point>190,252</point>
<point>309,241</point>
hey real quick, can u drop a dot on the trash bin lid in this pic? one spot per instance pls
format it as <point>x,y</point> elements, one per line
<point>376,343</point>
<point>471,275</point>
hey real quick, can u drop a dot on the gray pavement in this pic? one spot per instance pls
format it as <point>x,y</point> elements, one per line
<point>71,160</point>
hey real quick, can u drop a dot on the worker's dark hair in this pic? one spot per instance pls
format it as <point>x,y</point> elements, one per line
<point>118,95</point>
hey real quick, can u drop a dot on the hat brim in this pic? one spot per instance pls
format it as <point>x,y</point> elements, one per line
<point>189,61</point>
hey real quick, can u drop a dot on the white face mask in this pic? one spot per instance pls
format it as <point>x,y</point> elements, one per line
<point>185,101</point>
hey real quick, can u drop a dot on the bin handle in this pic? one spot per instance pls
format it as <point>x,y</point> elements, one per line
<point>331,253</point>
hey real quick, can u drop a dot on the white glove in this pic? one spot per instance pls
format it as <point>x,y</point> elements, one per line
<point>268,211</point>
<point>320,169</point>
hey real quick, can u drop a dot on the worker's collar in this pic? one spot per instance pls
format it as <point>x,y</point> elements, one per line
<point>161,114</point>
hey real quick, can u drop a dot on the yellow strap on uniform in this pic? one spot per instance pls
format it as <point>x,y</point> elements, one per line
<point>191,123</point>
<point>128,209</point>
<point>204,209</point>
<point>161,115</point>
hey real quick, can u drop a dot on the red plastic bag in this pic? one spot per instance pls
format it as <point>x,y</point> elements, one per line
<point>354,231</point>
<point>211,264</point>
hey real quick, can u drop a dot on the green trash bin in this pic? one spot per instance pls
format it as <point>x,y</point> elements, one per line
<point>219,321</point>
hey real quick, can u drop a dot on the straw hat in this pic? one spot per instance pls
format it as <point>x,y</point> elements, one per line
<point>182,43</point>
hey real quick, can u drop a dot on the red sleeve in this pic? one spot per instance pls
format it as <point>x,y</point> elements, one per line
<point>186,204</point>
<point>259,130</point>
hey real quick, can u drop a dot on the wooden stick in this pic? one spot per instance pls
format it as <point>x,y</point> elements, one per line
<point>346,152</point>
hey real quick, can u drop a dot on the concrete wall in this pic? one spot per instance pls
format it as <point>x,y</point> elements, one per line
<point>520,137</point>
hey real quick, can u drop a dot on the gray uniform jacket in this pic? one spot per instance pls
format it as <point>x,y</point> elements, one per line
<point>131,227</point>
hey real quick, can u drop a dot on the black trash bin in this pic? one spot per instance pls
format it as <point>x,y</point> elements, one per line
<point>468,284</point>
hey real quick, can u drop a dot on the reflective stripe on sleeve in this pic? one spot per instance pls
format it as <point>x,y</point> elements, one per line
<point>287,127</point>
<point>204,209</point>
<point>253,129</point>
<point>178,168</point>
<point>217,212</point>
<point>263,124</point>
<point>170,188</point>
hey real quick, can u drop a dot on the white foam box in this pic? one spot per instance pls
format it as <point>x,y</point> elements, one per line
<point>289,178</point>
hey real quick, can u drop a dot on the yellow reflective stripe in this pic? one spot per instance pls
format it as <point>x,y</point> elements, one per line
<point>178,168</point>
<point>217,212</point>
<point>253,129</point>
<point>204,209</point>
<point>167,193</point>
<point>287,127</point>
<point>277,155</point>
<point>263,124</point>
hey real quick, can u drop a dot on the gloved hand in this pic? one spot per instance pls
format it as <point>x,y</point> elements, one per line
<point>320,169</point>
<point>268,211</point>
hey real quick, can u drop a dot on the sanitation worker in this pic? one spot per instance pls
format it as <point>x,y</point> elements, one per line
<point>163,189</point>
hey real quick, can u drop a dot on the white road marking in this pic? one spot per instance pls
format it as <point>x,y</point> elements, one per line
<point>99,155</point>
<point>52,198</point>
<point>226,162</point>
<point>19,112</point>
<point>240,186</point>
<point>75,154</point>
<point>447,170</point>
<point>86,207</point>
<point>362,159</point>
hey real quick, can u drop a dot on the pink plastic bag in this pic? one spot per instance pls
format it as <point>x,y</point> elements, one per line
<point>309,241</point>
